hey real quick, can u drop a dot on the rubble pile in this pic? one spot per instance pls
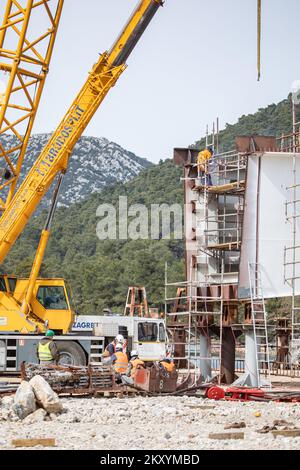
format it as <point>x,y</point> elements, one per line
<point>156,423</point>
<point>32,402</point>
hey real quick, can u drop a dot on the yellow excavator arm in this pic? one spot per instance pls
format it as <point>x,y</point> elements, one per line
<point>55,156</point>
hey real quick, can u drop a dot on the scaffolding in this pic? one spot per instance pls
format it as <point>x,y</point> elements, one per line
<point>292,258</point>
<point>190,323</point>
<point>220,217</point>
<point>207,305</point>
<point>204,304</point>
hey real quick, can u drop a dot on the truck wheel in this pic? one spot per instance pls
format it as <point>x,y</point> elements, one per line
<point>70,354</point>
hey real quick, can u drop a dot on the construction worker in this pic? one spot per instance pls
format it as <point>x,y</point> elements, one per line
<point>111,347</point>
<point>203,160</point>
<point>47,351</point>
<point>167,364</point>
<point>135,363</point>
<point>120,362</point>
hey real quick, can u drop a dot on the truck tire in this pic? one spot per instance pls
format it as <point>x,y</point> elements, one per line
<point>70,353</point>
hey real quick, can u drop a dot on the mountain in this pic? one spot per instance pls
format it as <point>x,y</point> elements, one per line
<point>275,119</point>
<point>95,164</point>
<point>99,272</point>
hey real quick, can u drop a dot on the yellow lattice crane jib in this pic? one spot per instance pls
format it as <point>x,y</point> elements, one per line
<point>54,157</point>
<point>25,54</point>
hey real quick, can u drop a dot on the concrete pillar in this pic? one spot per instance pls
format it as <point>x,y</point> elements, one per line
<point>251,377</point>
<point>251,369</point>
<point>205,364</point>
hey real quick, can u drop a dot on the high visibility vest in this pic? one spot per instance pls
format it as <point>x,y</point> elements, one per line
<point>45,353</point>
<point>169,366</point>
<point>136,364</point>
<point>121,363</point>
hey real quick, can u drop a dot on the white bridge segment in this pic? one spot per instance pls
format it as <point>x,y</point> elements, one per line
<point>266,232</point>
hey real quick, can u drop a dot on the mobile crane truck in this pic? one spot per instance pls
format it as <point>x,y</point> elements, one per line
<point>30,306</point>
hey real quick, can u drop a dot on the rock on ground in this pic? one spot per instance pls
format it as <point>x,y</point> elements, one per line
<point>45,396</point>
<point>37,417</point>
<point>24,400</point>
<point>167,423</point>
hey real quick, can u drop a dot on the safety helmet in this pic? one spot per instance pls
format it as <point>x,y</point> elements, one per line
<point>50,333</point>
<point>119,347</point>
<point>211,150</point>
<point>119,339</point>
<point>134,353</point>
<point>166,359</point>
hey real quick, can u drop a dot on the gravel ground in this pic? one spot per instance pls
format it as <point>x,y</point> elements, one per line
<point>153,423</point>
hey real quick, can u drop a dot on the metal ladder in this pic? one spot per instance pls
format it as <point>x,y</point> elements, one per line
<point>97,349</point>
<point>259,320</point>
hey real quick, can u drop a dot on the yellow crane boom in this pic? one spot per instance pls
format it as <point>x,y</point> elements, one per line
<point>54,158</point>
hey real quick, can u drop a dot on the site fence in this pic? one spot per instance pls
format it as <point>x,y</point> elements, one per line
<point>277,368</point>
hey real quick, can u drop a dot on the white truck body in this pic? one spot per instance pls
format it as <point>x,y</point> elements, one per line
<point>146,335</point>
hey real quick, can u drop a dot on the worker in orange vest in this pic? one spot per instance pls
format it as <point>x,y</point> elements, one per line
<point>135,363</point>
<point>120,362</point>
<point>203,160</point>
<point>168,365</point>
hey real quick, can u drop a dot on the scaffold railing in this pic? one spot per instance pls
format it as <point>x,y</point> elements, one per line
<point>189,324</point>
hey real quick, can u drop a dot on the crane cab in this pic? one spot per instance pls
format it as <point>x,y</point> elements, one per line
<point>51,306</point>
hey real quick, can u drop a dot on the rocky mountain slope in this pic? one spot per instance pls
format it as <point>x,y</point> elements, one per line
<point>95,163</point>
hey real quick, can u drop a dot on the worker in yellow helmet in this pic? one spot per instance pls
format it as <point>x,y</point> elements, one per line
<point>203,160</point>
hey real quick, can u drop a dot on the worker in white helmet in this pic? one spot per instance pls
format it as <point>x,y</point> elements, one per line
<point>111,347</point>
<point>134,364</point>
<point>119,360</point>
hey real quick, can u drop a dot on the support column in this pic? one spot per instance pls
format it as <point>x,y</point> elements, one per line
<point>227,369</point>
<point>250,377</point>
<point>205,355</point>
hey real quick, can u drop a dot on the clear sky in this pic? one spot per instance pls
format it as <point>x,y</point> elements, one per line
<point>196,61</point>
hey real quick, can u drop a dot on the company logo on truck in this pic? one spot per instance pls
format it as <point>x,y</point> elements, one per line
<point>84,325</point>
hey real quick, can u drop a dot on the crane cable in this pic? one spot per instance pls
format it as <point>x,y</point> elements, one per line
<point>258,39</point>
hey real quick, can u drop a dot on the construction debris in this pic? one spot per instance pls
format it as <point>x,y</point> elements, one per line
<point>45,396</point>
<point>90,423</point>
<point>235,425</point>
<point>37,417</point>
<point>287,433</point>
<point>69,380</point>
<point>33,442</point>
<point>24,400</point>
<point>226,435</point>
<point>266,429</point>
<point>32,402</point>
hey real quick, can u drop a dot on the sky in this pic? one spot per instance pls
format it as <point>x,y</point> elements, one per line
<point>196,61</point>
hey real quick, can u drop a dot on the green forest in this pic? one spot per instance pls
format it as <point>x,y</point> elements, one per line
<point>99,272</point>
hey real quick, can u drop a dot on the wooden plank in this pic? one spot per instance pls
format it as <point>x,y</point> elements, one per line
<point>287,433</point>
<point>227,187</point>
<point>225,246</point>
<point>201,407</point>
<point>33,442</point>
<point>226,435</point>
